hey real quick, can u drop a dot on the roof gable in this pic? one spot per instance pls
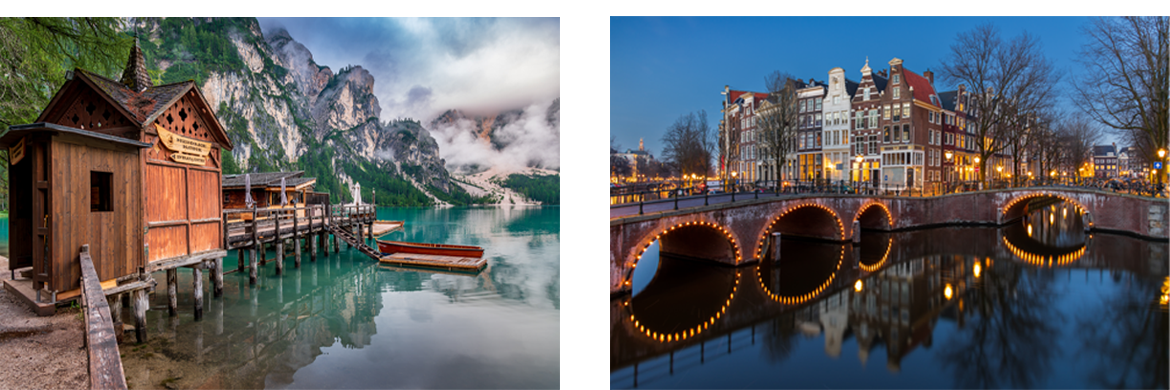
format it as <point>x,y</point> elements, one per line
<point>922,88</point>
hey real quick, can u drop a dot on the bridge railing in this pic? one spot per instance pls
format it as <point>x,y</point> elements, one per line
<point>623,198</point>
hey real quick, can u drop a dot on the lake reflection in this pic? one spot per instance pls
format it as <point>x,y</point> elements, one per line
<point>344,321</point>
<point>952,307</point>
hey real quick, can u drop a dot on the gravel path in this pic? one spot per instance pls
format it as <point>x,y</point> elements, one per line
<point>39,352</point>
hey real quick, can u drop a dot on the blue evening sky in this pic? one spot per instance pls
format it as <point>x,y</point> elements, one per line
<point>662,68</point>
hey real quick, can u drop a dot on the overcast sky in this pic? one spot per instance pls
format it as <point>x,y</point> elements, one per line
<point>662,68</point>
<point>422,67</point>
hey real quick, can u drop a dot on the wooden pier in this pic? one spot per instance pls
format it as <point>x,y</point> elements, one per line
<point>306,228</point>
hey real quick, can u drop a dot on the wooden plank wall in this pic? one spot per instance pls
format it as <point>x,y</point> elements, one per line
<point>113,235</point>
<point>183,201</point>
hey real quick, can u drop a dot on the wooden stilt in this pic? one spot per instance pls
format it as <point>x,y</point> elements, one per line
<point>197,280</point>
<point>240,262</point>
<point>218,275</point>
<point>296,241</point>
<point>172,292</point>
<point>313,246</point>
<point>140,306</point>
<point>297,252</point>
<point>279,246</point>
<point>279,256</point>
<point>115,303</point>
<point>252,264</point>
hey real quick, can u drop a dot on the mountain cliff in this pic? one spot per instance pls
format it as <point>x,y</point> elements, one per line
<point>283,111</point>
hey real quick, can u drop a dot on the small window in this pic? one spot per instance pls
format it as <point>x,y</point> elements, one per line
<point>101,190</point>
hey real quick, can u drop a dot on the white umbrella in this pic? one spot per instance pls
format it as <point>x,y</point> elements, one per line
<point>357,193</point>
<point>248,201</point>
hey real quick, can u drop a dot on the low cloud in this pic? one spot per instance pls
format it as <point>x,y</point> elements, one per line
<point>530,141</point>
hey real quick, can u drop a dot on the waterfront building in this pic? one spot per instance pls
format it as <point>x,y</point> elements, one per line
<point>766,160</point>
<point>836,129</point>
<point>911,123</point>
<point>739,136</point>
<point>1131,164</point>
<point>1105,161</point>
<point>265,188</point>
<point>866,137</point>
<point>809,136</point>
<point>130,169</point>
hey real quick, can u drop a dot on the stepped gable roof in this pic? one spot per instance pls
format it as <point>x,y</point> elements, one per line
<point>922,88</point>
<point>267,179</point>
<point>948,99</point>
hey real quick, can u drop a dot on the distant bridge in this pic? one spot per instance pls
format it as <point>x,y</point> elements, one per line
<point>736,232</point>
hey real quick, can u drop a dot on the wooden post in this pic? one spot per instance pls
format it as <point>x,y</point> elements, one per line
<point>218,275</point>
<point>371,231</point>
<point>140,306</point>
<point>252,264</point>
<point>115,303</point>
<point>240,262</point>
<point>296,240</point>
<point>256,245</point>
<point>197,280</point>
<point>172,292</point>
<point>279,244</point>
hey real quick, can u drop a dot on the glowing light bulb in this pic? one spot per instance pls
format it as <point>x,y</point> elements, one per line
<point>948,291</point>
<point>978,269</point>
<point>857,286</point>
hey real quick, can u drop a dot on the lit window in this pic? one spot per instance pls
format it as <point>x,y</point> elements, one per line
<point>897,93</point>
<point>886,112</point>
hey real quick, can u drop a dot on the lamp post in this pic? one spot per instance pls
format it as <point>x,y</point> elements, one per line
<point>1161,158</point>
<point>950,171</point>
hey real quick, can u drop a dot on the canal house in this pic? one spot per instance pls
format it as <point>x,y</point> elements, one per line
<point>130,168</point>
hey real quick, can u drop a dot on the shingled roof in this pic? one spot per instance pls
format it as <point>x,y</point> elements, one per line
<point>267,179</point>
<point>138,99</point>
<point>948,99</point>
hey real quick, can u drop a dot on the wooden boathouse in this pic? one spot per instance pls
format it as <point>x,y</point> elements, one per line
<point>126,167</point>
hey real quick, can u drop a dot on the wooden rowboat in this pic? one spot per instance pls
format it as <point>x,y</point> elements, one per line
<point>391,247</point>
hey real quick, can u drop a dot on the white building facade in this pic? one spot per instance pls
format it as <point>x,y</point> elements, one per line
<point>836,129</point>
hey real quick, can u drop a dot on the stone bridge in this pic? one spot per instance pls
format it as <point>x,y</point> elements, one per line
<point>737,233</point>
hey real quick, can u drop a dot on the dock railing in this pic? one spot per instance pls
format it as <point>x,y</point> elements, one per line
<point>105,363</point>
<point>247,226</point>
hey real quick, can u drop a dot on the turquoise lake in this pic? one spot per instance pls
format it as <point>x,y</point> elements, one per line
<point>345,321</point>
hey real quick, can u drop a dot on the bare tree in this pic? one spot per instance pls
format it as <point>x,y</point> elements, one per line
<point>1077,136</point>
<point>688,144</point>
<point>1125,83</point>
<point>777,120</point>
<point>1010,81</point>
<point>728,144</point>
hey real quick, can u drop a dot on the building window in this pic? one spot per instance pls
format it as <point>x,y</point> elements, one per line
<point>818,104</point>
<point>886,112</point>
<point>897,78</point>
<point>886,138</point>
<point>101,191</point>
<point>897,113</point>
<point>897,93</point>
<point>873,118</point>
<point>906,133</point>
<point>867,93</point>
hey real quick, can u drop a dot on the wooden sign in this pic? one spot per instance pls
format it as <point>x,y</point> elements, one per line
<point>16,152</point>
<point>186,150</point>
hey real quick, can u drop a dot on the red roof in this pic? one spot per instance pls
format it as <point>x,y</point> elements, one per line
<point>922,87</point>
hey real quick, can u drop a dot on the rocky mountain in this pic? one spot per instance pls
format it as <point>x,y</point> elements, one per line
<point>283,111</point>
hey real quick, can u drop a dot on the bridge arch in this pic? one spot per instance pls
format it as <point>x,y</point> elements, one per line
<point>691,238</point>
<point>1015,207</point>
<point>811,218</point>
<point>648,329</point>
<point>798,299</point>
<point>874,215</point>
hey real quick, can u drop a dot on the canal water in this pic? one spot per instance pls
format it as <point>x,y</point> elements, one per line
<point>344,321</point>
<point>1038,304</point>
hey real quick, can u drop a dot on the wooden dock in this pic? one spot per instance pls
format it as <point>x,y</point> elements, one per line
<point>435,261</point>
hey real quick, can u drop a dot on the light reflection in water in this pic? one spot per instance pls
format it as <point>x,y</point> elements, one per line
<point>938,311</point>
